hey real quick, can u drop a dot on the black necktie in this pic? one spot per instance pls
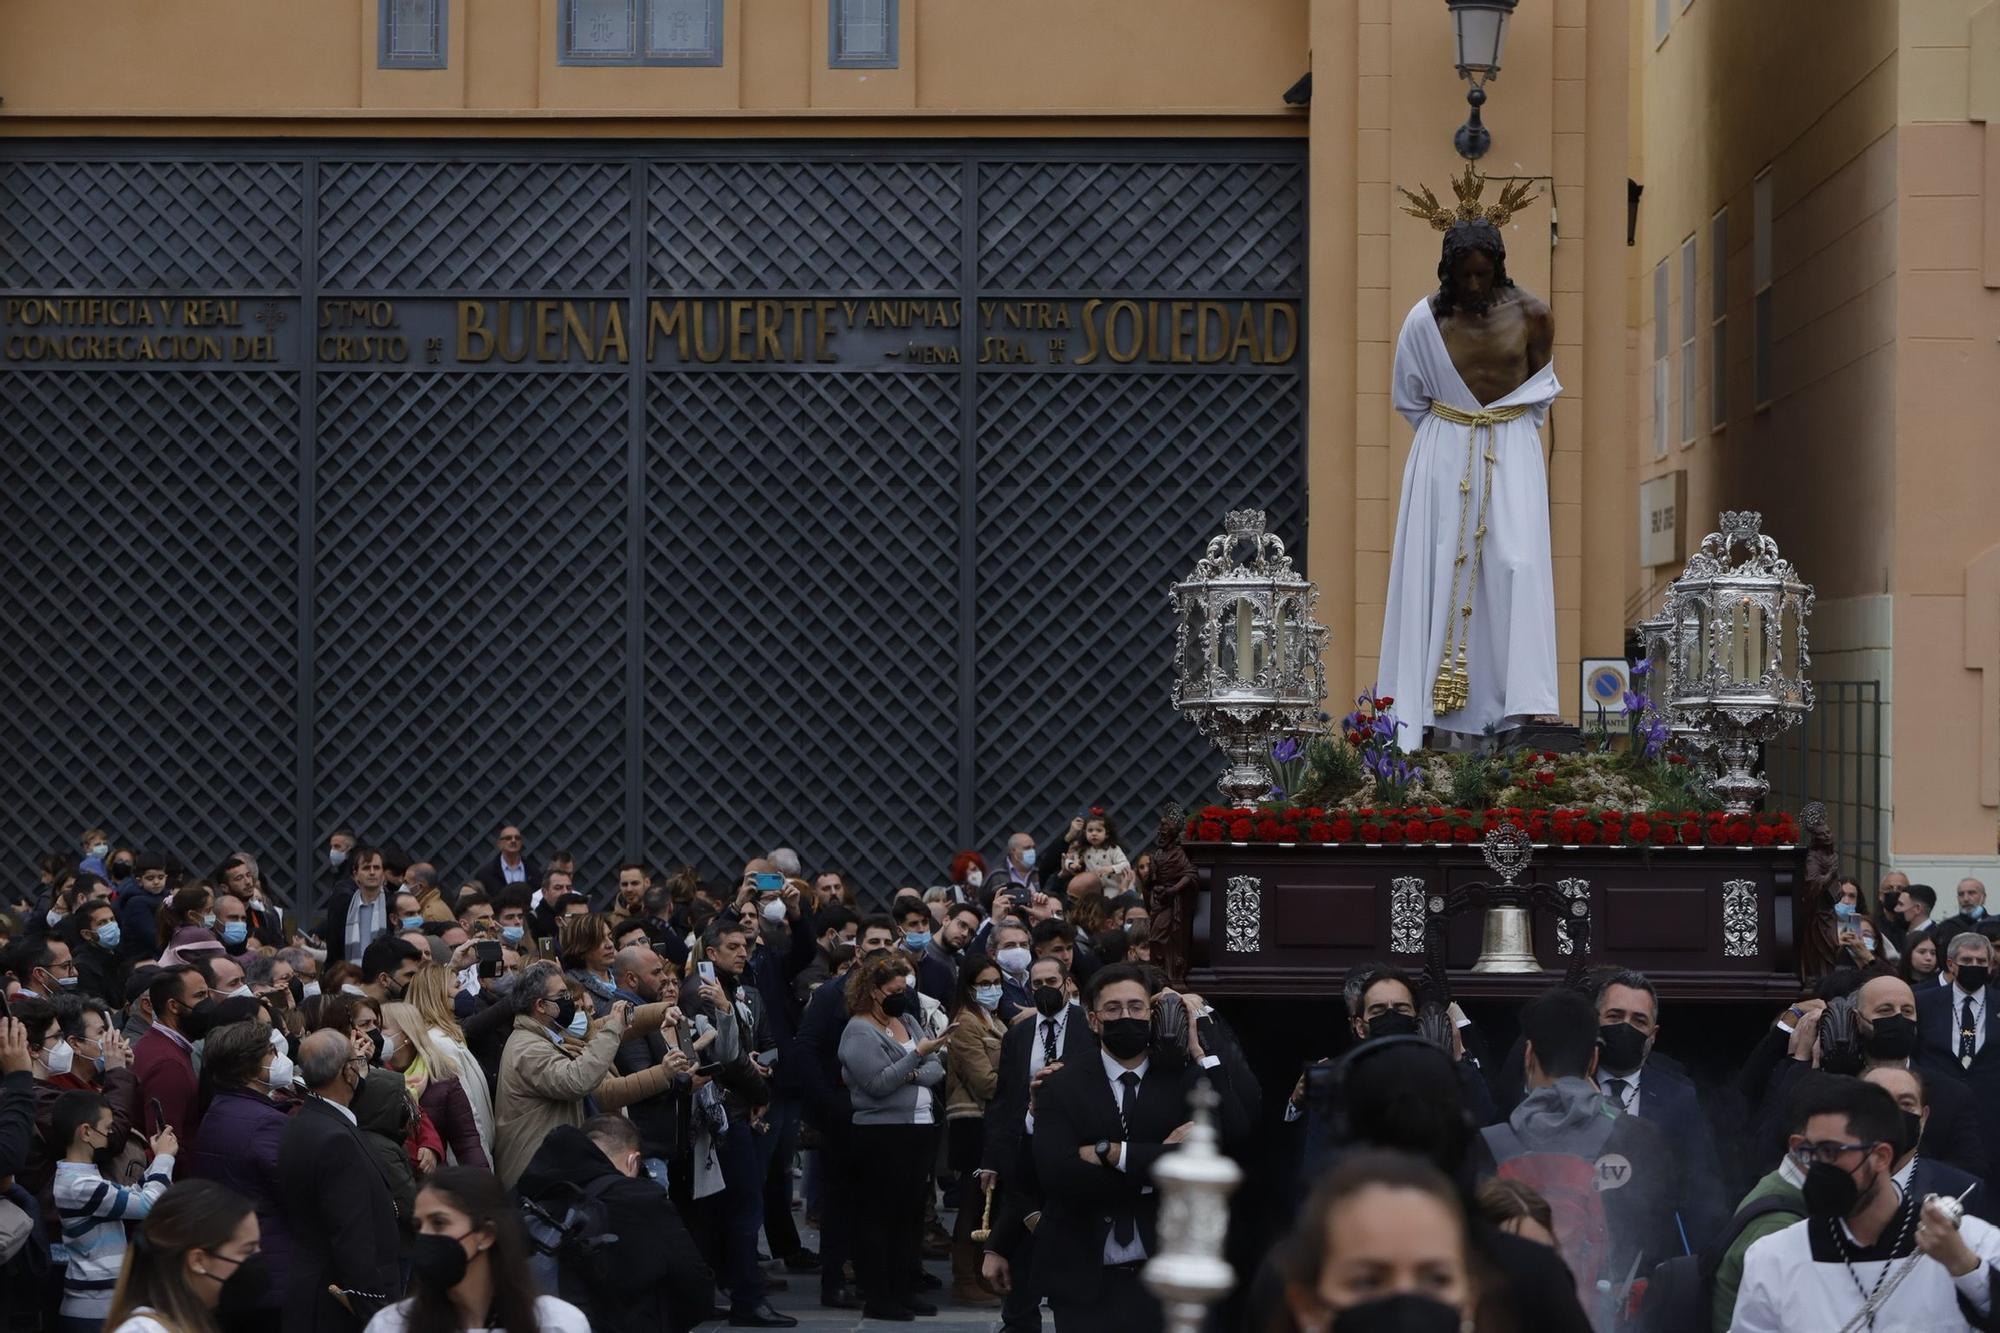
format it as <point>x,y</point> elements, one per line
<point>1123,1226</point>
<point>1048,1041</point>
<point>1618,1087</point>
<point>1967,1028</point>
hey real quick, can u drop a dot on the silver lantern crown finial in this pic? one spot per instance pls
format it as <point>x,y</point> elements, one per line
<point>1247,650</point>
<point>1738,650</point>
<point>1189,1274</point>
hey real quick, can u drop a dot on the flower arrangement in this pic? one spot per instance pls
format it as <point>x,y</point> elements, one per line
<point>1439,825</point>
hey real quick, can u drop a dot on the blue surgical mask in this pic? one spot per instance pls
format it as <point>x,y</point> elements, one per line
<point>235,932</point>
<point>208,920</point>
<point>108,935</point>
<point>579,1025</point>
<point>988,996</point>
<point>413,923</point>
<point>916,939</point>
<point>1028,858</point>
<point>55,917</point>
<point>1843,909</point>
<point>335,857</point>
<point>513,934</point>
<point>1976,911</point>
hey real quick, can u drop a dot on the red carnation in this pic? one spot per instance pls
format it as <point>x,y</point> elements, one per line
<point>1440,831</point>
<point>1464,833</point>
<point>1315,812</point>
<point>1434,810</point>
<point>1370,832</point>
<point>1641,828</point>
<point>1366,813</point>
<point>1414,830</point>
<point>1320,832</point>
<point>1211,831</point>
<point>1691,832</point>
<point>1587,833</point>
<point>1241,829</point>
<point>1546,779</point>
<point>1739,835</point>
<point>1385,702</point>
<point>1288,833</point>
<point>1763,837</point>
<point>1666,835</point>
<point>1343,830</point>
<point>1267,830</point>
<point>1392,833</point>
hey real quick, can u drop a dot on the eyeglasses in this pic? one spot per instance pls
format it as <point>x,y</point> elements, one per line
<point>1829,1151</point>
<point>1126,1009</point>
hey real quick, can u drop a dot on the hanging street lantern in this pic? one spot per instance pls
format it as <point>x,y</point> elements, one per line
<point>1479,37</point>
<point>1247,654</point>
<point>1739,651</point>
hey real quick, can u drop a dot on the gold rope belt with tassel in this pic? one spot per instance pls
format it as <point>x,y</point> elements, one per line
<point>1453,687</point>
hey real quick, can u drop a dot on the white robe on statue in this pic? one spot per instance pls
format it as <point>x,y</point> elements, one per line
<point>1511,650</point>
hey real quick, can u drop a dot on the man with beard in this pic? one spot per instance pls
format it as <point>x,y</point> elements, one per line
<point>1469,638</point>
<point>1860,1228</point>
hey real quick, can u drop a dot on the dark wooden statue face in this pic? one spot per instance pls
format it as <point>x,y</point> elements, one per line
<point>1472,281</point>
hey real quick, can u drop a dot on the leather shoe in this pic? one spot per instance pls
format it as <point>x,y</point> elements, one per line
<point>918,1305</point>
<point>901,1314</point>
<point>761,1316</point>
<point>842,1297</point>
<point>802,1261</point>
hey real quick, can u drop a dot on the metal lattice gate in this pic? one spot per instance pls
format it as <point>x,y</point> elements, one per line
<point>670,502</point>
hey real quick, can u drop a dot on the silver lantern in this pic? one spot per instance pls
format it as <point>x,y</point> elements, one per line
<point>1246,666</point>
<point>1739,651</point>
<point>1195,1181</point>
<point>1693,743</point>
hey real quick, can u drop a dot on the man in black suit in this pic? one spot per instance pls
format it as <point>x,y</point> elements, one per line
<point>510,865</point>
<point>1885,1017</point>
<point>342,1218</point>
<point>1628,1013</point>
<point>1100,1125</point>
<point>356,916</point>
<point>1057,1034</point>
<point>1931,1174</point>
<point>1955,1037</point>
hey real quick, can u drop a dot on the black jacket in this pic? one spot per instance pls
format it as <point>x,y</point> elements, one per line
<point>343,1224</point>
<point>493,880</point>
<point>1081,1199</point>
<point>650,1276</point>
<point>1937,1051</point>
<point>810,1070</point>
<point>660,1119</point>
<point>101,973</point>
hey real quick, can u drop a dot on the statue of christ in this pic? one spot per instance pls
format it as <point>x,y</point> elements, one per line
<point>1469,634</point>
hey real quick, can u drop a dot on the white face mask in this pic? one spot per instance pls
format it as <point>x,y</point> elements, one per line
<point>1013,960</point>
<point>389,1045</point>
<point>308,990</point>
<point>975,877</point>
<point>774,910</point>
<point>349,988</point>
<point>60,1057</point>
<point>282,1071</point>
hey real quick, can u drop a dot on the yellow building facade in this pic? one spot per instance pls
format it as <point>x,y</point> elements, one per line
<point>1815,302</point>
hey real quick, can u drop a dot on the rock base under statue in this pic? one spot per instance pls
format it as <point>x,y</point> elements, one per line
<point>1706,923</point>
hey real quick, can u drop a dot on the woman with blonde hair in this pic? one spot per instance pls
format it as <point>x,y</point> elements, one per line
<point>430,993</point>
<point>436,1080</point>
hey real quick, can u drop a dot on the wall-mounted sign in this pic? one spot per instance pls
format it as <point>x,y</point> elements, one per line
<point>1663,520</point>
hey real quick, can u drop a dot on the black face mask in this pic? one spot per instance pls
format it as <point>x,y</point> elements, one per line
<point>565,1011</point>
<point>897,1005</point>
<point>1408,1313</point>
<point>1393,1024</point>
<point>437,1262</point>
<point>1971,977</point>
<point>375,1040</point>
<point>1049,1001</point>
<point>246,1289</point>
<point>1913,1131</point>
<point>1126,1038</point>
<point>1830,1191</point>
<point>121,870</point>
<point>1891,1038</point>
<point>1624,1047</point>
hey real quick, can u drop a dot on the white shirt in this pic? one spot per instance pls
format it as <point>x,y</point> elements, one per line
<point>1785,1291</point>
<point>1114,1253</point>
<point>513,874</point>
<point>1036,1053</point>
<point>922,1115</point>
<point>551,1316</point>
<point>328,1101</point>
<point>1958,999</point>
<point>1630,1104</point>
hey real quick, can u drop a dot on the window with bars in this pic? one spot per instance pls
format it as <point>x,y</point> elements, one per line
<point>1718,320</point>
<point>640,32</point>
<point>1760,286</point>
<point>411,34</point>
<point>862,34</point>
<point>1662,356</point>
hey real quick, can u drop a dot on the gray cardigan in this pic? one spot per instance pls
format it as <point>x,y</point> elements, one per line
<point>878,1072</point>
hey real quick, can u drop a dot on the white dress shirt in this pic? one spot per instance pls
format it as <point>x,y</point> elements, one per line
<point>1114,1253</point>
<point>1630,1102</point>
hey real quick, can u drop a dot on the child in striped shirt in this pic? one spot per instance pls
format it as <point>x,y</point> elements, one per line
<point>94,1211</point>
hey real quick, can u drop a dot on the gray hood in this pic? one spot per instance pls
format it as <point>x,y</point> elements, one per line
<point>1569,1115</point>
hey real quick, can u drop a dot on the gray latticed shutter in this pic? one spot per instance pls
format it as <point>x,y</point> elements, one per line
<point>878,606</point>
